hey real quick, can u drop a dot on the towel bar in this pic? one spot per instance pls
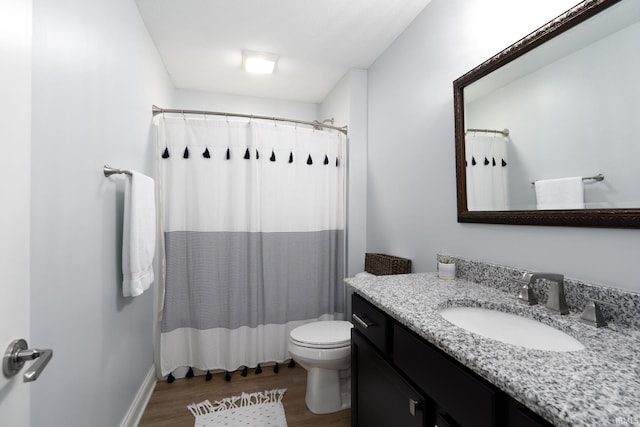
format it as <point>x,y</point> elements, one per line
<point>598,177</point>
<point>108,171</point>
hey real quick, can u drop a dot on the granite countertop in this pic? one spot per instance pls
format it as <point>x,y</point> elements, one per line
<point>596,386</point>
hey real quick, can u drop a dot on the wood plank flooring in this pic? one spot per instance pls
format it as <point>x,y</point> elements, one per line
<point>168,404</point>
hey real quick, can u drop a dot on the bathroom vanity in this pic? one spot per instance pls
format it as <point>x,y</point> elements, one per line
<point>398,378</point>
<point>411,367</point>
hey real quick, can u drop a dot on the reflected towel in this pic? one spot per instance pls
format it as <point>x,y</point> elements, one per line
<point>139,234</point>
<point>560,193</point>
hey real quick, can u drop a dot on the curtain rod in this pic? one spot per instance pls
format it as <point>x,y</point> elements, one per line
<point>504,132</point>
<point>316,124</point>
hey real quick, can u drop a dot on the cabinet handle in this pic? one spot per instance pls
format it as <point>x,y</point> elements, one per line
<point>413,405</point>
<point>365,324</point>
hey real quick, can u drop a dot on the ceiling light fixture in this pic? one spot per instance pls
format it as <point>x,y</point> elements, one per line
<point>259,62</point>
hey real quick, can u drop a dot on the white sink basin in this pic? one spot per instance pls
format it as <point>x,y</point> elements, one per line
<point>511,328</point>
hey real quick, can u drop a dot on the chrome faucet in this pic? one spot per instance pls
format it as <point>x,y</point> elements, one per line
<point>526,295</point>
<point>556,301</point>
<point>592,314</point>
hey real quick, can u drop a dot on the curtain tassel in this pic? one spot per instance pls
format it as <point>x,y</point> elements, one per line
<point>228,154</point>
<point>245,371</point>
<point>337,163</point>
<point>247,156</point>
<point>493,161</point>
<point>206,154</point>
<point>227,376</point>
<point>165,153</point>
<point>208,376</point>
<point>276,368</point>
<point>171,378</point>
<point>273,156</point>
<point>473,161</point>
<point>186,153</point>
<point>326,160</point>
<point>291,364</point>
<point>291,157</point>
<point>504,163</point>
<point>309,160</point>
<point>258,369</point>
<point>189,373</point>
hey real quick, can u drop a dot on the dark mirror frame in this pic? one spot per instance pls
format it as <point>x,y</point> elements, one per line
<point>612,218</point>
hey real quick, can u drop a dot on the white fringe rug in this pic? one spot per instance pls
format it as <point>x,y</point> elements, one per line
<point>259,409</point>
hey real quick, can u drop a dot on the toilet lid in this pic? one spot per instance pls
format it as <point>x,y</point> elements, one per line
<point>324,334</point>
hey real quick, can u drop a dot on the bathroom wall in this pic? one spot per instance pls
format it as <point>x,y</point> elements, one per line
<point>347,105</point>
<point>199,100</point>
<point>96,74</point>
<point>411,198</point>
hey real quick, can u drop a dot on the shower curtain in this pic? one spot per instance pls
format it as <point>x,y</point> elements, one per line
<point>253,223</point>
<point>487,171</point>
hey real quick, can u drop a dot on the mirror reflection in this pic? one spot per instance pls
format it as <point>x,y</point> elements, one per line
<point>556,128</point>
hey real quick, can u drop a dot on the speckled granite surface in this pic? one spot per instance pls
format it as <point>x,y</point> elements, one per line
<point>627,312</point>
<point>599,386</point>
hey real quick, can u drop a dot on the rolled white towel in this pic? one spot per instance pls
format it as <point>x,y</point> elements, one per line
<point>364,274</point>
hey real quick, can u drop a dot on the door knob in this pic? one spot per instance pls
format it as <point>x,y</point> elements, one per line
<point>18,353</point>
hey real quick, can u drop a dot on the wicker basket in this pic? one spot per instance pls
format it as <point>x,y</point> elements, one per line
<point>381,264</point>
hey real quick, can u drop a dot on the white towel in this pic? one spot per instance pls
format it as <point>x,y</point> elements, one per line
<point>560,193</point>
<point>139,234</point>
<point>364,274</point>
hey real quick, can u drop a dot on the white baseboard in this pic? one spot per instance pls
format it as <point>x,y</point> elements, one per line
<point>140,401</point>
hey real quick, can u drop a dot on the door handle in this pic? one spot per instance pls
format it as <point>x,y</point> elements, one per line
<point>414,405</point>
<point>364,323</point>
<point>18,353</point>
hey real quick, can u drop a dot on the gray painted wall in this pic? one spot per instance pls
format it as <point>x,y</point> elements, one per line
<point>96,74</point>
<point>347,104</point>
<point>411,200</point>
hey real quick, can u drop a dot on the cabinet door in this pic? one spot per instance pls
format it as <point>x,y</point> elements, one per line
<point>462,398</point>
<point>380,397</point>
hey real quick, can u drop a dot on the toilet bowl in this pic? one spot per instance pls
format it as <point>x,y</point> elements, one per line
<point>324,350</point>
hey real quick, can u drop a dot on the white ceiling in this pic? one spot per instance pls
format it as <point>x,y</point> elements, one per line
<point>318,41</point>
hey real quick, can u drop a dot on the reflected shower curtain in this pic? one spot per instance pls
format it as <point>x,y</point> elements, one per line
<point>253,223</point>
<point>486,160</point>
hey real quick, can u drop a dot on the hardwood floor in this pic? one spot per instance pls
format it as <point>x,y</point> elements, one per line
<point>168,403</point>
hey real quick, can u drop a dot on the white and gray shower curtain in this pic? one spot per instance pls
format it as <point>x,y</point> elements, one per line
<point>253,222</point>
<point>487,171</point>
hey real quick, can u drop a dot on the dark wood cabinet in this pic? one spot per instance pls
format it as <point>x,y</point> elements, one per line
<point>380,396</point>
<point>459,394</point>
<point>400,379</point>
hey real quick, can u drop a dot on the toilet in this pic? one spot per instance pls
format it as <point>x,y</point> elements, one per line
<point>324,350</point>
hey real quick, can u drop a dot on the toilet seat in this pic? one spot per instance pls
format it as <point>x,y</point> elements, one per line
<point>322,335</point>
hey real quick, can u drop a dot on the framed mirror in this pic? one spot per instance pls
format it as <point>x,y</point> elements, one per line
<point>545,130</point>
